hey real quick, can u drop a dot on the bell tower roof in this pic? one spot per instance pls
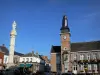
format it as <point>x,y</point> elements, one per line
<point>64,21</point>
<point>65,27</point>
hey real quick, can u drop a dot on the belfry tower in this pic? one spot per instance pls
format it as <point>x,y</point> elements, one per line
<point>65,46</point>
<point>12,45</point>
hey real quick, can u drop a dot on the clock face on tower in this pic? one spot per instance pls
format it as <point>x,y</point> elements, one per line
<point>64,37</point>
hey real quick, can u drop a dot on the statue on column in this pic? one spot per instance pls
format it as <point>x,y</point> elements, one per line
<point>14,25</point>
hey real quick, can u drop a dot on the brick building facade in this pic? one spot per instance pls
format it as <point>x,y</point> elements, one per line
<point>79,57</point>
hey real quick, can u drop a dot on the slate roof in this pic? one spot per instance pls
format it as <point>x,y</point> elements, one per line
<point>29,55</point>
<point>55,49</point>
<point>79,46</point>
<point>17,53</point>
<point>6,51</point>
<point>32,54</point>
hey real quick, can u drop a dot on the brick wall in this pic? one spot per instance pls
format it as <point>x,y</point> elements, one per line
<point>53,62</point>
<point>1,57</point>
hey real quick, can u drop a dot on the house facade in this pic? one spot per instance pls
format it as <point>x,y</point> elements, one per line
<point>33,62</point>
<point>79,57</point>
<point>5,50</point>
<point>47,68</point>
<point>1,60</point>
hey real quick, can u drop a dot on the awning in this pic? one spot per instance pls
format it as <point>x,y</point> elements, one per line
<point>25,65</point>
<point>22,65</point>
<point>28,65</point>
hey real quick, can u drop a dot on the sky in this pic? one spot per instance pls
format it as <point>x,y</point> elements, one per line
<point>39,22</point>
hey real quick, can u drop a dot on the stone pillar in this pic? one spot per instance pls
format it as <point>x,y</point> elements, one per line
<point>12,45</point>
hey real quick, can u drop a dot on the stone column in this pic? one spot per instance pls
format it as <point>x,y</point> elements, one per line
<point>12,45</point>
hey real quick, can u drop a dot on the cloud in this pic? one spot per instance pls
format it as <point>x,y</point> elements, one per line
<point>92,14</point>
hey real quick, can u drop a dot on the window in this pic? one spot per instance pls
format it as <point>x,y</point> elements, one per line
<point>75,67</point>
<point>89,66</point>
<point>81,57</point>
<point>94,56</point>
<point>82,67</point>
<point>5,59</point>
<point>95,66</point>
<point>27,59</point>
<point>75,56</point>
<point>31,59</point>
<point>88,57</point>
<point>58,67</point>
<point>58,58</point>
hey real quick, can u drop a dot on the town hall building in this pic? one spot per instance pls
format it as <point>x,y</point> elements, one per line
<point>79,57</point>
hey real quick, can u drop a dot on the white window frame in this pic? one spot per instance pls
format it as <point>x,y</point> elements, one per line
<point>82,67</point>
<point>95,67</point>
<point>75,67</point>
<point>88,57</point>
<point>74,56</point>
<point>81,57</point>
<point>94,56</point>
<point>89,67</point>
